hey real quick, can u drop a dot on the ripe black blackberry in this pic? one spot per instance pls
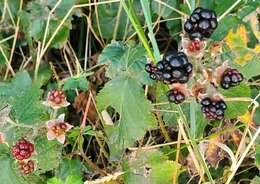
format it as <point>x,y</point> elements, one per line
<point>175,96</point>
<point>201,23</point>
<point>23,149</point>
<point>174,68</point>
<point>213,109</point>
<point>230,78</point>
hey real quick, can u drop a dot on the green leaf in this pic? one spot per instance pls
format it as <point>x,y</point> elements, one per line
<point>125,67</point>
<point>63,7</point>
<point>236,108</point>
<point>208,4</point>
<point>246,10</point>
<point>75,179</point>
<point>72,179</point>
<point>134,109</point>
<point>107,18</point>
<point>77,82</point>
<point>148,167</point>
<point>200,122</point>
<point>68,167</point>
<point>257,155</point>
<point>250,69</point>
<point>44,74</point>
<point>256,180</point>
<point>125,60</point>
<point>27,107</point>
<point>10,174</point>
<point>227,23</point>
<point>19,84</point>
<point>48,154</point>
<point>162,10</point>
<point>24,98</point>
<point>7,174</point>
<point>222,5</point>
<point>55,181</point>
<point>34,21</point>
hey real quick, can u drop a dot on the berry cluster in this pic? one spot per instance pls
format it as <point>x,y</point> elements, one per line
<point>201,23</point>
<point>172,69</point>
<point>23,149</point>
<point>26,167</point>
<point>213,109</point>
<point>230,78</point>
<point>175,69</point>
<point>57,96</point>
<point>175,96</point>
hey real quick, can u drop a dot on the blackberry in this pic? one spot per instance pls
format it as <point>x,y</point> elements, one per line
<point>231,78</point>
<point>175,96</point>
<point>150,68</point>
<point>213,109</point>
<point>201,23</point>
<point>23,149</point>
<point>174,68</point>
<point>26,167</point>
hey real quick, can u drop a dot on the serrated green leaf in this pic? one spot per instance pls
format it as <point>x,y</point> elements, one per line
<point>148,167</point>
<point>48,154</point>
<point>134,109</point>
<point>126,69</point>
<point>27,107</point>
<point>125,60</point>
<point>236,108</point>
<point>24,98</point>
<point>19,84</point>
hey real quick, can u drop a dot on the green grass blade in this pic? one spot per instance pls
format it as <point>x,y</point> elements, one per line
<point>148,19</point>
<point>193,119</point>
<point>137,25</point>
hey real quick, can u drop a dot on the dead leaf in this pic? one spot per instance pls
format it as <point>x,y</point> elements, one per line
<point>80,104</point>
<point>236,137</point>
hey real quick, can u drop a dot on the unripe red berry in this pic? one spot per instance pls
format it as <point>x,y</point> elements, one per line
<point>23,149</point>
